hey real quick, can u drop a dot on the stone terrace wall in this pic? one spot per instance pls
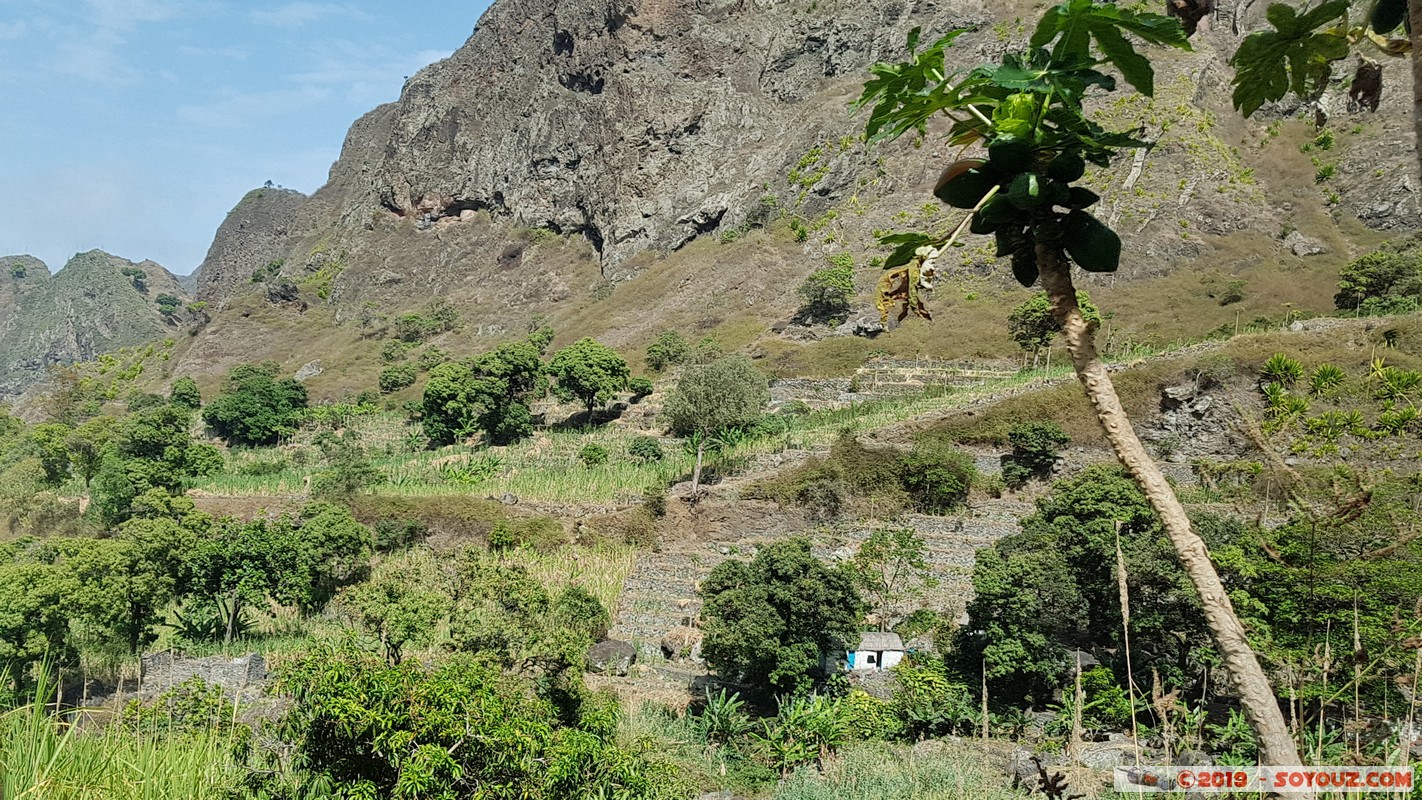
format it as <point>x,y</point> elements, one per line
<point>237,676</point>
<point>884,377</point>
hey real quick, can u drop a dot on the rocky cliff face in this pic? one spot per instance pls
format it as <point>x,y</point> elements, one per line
<point>642,125</point>
<point>95,304</point>
<point>254,234</point>
<point>576,148</point>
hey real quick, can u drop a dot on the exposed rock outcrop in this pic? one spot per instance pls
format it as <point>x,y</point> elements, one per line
<point>95,304</point>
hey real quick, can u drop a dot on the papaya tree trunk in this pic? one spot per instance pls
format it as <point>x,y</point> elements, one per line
<point>1252,685</point>
<point>1414,12</point>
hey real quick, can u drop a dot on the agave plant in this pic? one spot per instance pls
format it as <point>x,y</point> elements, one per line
<point>1282,370</point>
<point>1325,380</point>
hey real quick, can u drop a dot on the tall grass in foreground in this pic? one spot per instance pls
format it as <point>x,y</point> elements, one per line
<point>44,757</point>
<point>878,771</point>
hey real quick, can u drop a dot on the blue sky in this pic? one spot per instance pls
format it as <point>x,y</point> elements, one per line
<point>135,125</point>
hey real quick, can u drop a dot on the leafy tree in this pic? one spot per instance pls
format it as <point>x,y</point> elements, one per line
<point>34,617</point>
<point>382,730</point>
<point>1053,587</point>
<point>125,582</point>
<point>256,407</point>
<point>150,449</point>
<point>1032,325</point>
<point>769,621</point>
<point>937,475</point>
<point>669,349</point>
<point>1385,281</point>
<point>892,569</point>
<point>1035,448</point>
<point>397,376</point>
<point>168,304</point>
<point>489,394</point>
<point>1028,111</point>
<point>710,398</point>
<point>588,370</point>
<point>49,442</point>
<point>348,467</point>
<point>87,445</point>
<point>827,293</point>
<point>185,393</point>
<point>300,561</point>
<point>401,603</point>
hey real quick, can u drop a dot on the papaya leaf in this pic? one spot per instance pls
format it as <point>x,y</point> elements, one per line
<point>905,96</point>
<point>1296,56</point>
<point>904,245</point>
<point>1075,23</point>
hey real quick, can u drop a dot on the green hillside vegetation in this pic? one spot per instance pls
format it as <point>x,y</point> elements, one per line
<point>431,539</point>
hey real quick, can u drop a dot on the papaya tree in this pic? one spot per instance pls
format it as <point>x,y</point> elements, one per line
<point>1026,116</point>
<point>1296,53</point>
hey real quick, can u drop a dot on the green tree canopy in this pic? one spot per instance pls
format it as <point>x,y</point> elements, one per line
<point>1032,325</point>
<point>589,371</point>
<point>185,393</point>
<point>1385,281</point>
<point>769,621</point>
<point>728,392</point>
<point>487,394</point>
<point>827,293</point>
<point>256,407</point>
<point>402,602</point>
<point>668,349</point>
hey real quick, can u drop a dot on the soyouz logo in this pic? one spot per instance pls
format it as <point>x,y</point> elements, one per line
<point>1282,779</point>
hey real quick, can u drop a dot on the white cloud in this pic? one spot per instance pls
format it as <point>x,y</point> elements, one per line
<point>231,53</point>
<point>125,15</point>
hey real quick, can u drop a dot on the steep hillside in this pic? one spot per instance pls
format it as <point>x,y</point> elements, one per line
<point>95,304</point>
<point>619,170</point>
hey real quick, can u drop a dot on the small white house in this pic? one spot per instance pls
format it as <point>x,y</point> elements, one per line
<point>876,651</point>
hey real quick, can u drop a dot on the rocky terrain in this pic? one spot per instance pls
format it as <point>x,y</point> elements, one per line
<point>95,304</point>
<point>619,170</point>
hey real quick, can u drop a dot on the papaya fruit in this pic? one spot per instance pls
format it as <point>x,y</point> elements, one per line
<point>964,182</point>
<point>1024,266</point>
<point>1010,239</point>
<point>1090,243</point>
<point>1049,232</point>
<point>1066,167</point>
<point>1010,154</point>
<point>1081,197</point>
<point>1026,191</point>
<point>1056,193</point>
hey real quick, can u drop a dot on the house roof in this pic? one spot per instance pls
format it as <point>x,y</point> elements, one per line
<point>880,641</point>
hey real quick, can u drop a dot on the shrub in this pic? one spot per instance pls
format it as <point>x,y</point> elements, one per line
<point>263,467</point>
<point>669,349</point>
<point>592,454</point>
<point>828,292</point>
<point>645,449</point>
<point>640,387</point>
<point>937,475</point>
<point>1385,281</point>
<point>431,358</point>
<point>185,393</point>
<point>397,376</point>
<point>654,500</point>
<point>393,351</point>
<point>256,408</point>
<point>399,534</point>
<point>1035,448</point>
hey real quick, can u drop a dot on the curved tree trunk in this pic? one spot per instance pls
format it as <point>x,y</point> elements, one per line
<point>1414,11</point>
<point>1251,684</point>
